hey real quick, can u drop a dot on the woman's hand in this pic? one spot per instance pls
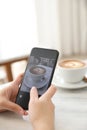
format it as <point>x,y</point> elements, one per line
<point>8,96</point>
<point>41,110</point>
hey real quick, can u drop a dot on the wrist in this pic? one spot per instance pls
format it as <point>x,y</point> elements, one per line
<point>1,103</point>
<point>43,126</point>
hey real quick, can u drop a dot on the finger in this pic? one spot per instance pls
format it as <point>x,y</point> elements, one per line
<point>18,80</point>
<point>33,94</point>
<point>49,93</point>
<point>15,108</point>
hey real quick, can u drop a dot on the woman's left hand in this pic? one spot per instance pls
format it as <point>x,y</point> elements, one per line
<point>8,96</point>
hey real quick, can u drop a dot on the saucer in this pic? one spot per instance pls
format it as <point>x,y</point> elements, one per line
<point>28,82</point>
<point>59,82</point>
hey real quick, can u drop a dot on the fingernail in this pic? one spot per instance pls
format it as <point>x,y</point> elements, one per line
<point>26,113</point>
<point>21,112</point>
<point>33,89</point>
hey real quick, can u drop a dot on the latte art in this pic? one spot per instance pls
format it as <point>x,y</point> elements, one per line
<point>37,70</point>
<point>71,64</point>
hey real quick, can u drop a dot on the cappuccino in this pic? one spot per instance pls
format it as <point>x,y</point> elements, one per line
<point>72,70</point>
<point>72,64</point>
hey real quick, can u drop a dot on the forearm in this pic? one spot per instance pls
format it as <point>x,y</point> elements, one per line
<point>1,108</point>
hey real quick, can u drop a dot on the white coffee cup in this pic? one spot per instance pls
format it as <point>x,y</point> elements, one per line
<point>72,70</point>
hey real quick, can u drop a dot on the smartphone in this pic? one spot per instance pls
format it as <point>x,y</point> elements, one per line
<point>39,72</point>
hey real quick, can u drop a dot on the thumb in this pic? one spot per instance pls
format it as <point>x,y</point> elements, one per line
<point>15,108</point>
<point>18,80</point>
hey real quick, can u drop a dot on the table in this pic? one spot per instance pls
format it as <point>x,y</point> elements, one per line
<point>70,112</point>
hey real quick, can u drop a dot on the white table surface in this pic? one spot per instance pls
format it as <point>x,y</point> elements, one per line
<point>70,112</point>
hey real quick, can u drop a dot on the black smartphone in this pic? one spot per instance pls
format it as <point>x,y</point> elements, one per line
<point>39,72</point>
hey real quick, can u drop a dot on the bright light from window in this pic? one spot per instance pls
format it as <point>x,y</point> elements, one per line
<point>18,30</point>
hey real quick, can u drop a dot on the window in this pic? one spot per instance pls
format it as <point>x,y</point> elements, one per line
<point>18,29</point>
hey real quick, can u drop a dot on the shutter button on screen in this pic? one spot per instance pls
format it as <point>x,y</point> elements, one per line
<point>20,96</point>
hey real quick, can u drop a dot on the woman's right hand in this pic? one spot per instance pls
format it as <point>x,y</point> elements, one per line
<point>41,110</point>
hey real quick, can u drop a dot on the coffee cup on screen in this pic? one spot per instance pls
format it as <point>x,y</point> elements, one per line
<point>37,72</point>
<point>72,70</point>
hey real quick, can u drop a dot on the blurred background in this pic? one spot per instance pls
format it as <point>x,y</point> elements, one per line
<point>24,24</point>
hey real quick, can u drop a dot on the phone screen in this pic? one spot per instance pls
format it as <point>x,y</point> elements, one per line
<point>39,73</point>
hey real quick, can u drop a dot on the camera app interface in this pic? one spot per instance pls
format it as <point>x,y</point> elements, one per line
<point>38,74</point>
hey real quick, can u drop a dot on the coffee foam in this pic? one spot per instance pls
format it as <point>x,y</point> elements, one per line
<point>72,64</point>
<point>37,70</point>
